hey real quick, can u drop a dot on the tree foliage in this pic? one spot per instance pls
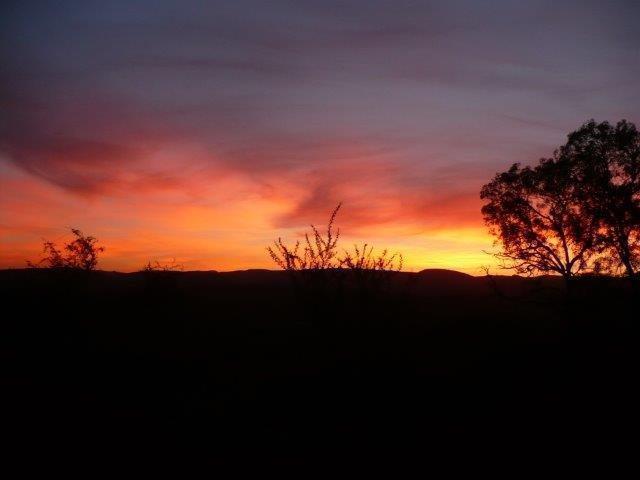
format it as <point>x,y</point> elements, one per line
<point>577,211</point>
<point>605,165</point>
<point>540,229</point>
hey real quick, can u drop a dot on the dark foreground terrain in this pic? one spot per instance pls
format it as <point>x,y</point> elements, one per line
<point>241,370</point>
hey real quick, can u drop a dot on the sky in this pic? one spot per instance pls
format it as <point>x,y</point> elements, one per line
<point>202,130</point>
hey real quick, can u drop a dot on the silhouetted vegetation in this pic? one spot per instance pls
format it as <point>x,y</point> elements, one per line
<point>318,251</point>
<point>160,279</point>
<point>157,266</point>
<point>362,258</point>
<point>604,165</point>
<point>312,266</point>
<point>577,212</point>
<point>79,254</point>
<point>540,228</point>
<point>319,271</point>
<point>371,272</point>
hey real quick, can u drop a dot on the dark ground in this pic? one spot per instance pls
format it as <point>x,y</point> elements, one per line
<point>107,370</point>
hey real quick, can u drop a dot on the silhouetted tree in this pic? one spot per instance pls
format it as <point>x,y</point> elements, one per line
<point>604,161</point>
<point>79,254</point>
<point>540,228</point>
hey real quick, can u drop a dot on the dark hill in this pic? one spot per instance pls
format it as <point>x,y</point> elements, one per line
<point>428,281</point>
<point>442,273</point>
<point>449,282</point>
<point>248,367</point>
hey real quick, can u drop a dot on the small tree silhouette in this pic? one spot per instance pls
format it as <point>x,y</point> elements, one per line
<point>81,253</point>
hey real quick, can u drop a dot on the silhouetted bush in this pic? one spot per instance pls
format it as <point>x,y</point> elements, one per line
<point>371,272</point>
<point>79,254</point>
<point>313,266</point>
<point>161,279</point>
<point>157,266</point>
<point>318,271</point>
<point>318,252</point>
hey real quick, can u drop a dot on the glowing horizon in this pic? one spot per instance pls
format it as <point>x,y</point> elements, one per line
<point>200,237</point>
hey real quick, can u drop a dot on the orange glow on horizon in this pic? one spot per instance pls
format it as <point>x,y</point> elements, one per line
<point>222,228</point>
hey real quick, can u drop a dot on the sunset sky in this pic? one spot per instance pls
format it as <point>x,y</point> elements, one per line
<point>202,130</point>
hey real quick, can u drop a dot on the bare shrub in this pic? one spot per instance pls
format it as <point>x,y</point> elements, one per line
<point>362,258</point>
<point>371,272</point>
<point>161,279</point>
<point>317,252</point>
<point>318,271</point>
<point>79,254</point>
<point>157,266</point>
